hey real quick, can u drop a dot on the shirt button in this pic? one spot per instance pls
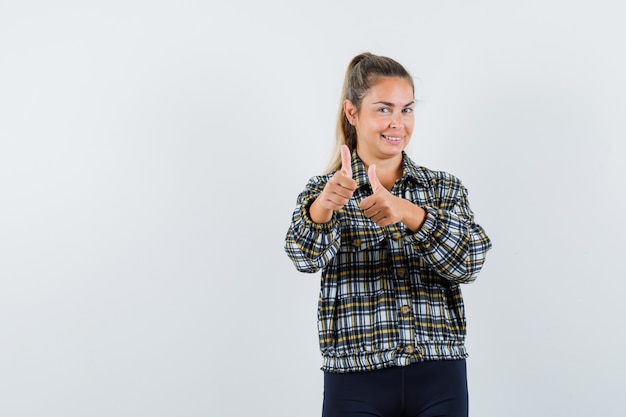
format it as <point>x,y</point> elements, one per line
<point>396,235</point>
<point>409,350</point>
<point>405,310</point>
<point>357,243</point>
<point>401,272</point>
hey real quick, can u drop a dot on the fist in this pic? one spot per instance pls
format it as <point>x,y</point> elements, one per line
<point>381,207</point>
<point>340,187</point>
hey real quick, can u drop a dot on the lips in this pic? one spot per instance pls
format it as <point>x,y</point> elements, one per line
<point>392,138</point>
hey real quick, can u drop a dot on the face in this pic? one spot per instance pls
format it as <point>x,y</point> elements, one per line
<point>385,121</point>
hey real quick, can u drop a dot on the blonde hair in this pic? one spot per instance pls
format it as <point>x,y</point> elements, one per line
<point>363,71</point>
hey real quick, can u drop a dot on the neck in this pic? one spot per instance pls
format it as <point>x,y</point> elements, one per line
<point>387,170</point>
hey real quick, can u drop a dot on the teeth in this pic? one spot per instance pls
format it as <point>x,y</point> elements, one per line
<point>393,138</point>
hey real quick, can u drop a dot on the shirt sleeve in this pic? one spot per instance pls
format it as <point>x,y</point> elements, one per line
<point>450,242</point>
<point>310,245</point>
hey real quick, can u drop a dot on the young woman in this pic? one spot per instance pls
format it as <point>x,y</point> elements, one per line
<point>394,241</point>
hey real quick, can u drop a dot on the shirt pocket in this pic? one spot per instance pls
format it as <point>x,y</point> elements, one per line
<point>455,311</point>
<point>440,312</point>
<point>361,260</point>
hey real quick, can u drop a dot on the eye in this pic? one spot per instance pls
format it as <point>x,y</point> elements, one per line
<point>384,110</point>
<point>408,110</point>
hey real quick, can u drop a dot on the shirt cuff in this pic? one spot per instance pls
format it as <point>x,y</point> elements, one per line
<point>425,233</point>
<point>319,227</point>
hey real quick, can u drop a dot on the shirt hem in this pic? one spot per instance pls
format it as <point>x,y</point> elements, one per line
<point>370,361</point>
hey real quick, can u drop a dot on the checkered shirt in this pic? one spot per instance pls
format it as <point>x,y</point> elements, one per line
<point>390,297</point>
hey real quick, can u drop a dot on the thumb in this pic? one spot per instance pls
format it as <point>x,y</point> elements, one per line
<point>374,181</point>
<point>346,161</point>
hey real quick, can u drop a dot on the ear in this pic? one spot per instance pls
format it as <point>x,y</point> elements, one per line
<point>351,111</point>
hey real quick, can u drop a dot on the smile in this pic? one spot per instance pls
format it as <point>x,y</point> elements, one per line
<point>392,138</point>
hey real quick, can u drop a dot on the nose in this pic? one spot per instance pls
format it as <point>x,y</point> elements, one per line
<point>396,120</point>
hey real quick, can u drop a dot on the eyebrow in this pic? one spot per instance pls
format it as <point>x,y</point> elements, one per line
<point>386,103</point>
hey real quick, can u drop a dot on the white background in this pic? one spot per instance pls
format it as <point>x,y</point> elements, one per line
<point>150,157</point>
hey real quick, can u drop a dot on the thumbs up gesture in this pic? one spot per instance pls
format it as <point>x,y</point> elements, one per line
<point>336,193</point>
<point>382,207</point>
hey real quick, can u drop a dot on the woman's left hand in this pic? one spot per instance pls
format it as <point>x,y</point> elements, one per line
<point>384,208</point>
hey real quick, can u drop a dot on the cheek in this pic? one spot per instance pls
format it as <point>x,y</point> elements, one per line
<point>372,128</point>
<point>380,125</point>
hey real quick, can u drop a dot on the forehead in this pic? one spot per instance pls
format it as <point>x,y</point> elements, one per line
<point>390,89</point>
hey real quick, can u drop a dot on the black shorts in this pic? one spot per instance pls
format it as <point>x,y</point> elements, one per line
<point>424,389</point>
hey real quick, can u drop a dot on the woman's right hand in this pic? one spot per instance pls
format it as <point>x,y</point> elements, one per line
<point>336,193</point>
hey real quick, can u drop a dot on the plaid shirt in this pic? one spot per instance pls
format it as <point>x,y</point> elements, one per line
<point>390,297</point>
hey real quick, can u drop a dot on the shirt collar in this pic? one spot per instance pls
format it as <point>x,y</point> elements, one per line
<point>410,171</point>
